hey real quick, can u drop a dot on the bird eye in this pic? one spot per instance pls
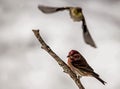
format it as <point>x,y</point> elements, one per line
<point>76,56</point>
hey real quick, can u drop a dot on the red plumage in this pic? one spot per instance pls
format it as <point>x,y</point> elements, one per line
<point>80,67</point>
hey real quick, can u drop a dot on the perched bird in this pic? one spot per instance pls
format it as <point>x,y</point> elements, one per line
<point>76,14</point>
<point>80,67</point>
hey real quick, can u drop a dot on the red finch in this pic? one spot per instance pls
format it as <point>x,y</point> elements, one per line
<point>80,67</point>
<point>76,14</point>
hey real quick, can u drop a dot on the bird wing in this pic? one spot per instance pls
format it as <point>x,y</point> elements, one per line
<point>48,9</point>
<point>82,65</point>
<point>87,37</point>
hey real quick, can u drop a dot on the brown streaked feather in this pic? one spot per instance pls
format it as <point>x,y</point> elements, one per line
<point>48,9</point>
<point>87,37</point>
<point>82,65</point>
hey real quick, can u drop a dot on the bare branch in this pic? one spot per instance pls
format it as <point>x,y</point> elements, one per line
<point>58,59</point>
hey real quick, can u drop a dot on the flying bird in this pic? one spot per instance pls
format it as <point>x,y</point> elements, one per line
<point>76,14</point>
<point>80,67</point>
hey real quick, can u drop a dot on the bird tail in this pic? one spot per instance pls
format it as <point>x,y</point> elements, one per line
<point>98,78</point>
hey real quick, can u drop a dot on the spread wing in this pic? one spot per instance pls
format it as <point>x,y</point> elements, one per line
<point>48,9</point>
<point>82,65</point>
<point>87,37</point>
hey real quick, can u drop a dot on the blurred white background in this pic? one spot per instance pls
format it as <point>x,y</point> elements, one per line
<point>24,65</point>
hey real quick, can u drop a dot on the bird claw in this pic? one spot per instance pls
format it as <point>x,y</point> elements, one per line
<point>65,71</point>
<point>78,77</point>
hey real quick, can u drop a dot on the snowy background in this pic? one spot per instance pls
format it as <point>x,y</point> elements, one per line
<point>24,65</point>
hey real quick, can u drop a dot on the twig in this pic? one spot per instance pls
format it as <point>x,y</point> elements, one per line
<point>58,59</point>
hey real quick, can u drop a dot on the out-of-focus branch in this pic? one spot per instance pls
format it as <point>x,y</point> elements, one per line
<point>58,59</point>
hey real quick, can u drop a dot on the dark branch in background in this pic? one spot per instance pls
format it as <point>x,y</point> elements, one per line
<point>58,59</point>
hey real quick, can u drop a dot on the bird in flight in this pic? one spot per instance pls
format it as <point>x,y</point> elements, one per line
<point>76,14</point>
<point>80,67</point>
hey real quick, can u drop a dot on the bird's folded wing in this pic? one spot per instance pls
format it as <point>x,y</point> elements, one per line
<point>82,65</point>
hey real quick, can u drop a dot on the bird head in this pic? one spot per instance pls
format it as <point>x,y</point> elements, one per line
<point>73,54</point>
<point>77,10</point>
<point>76,13</point>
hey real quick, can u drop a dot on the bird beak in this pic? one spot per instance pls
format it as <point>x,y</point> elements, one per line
<point>68,56</point>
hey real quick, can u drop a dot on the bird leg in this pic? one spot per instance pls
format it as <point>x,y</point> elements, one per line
<point>78,76</point>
